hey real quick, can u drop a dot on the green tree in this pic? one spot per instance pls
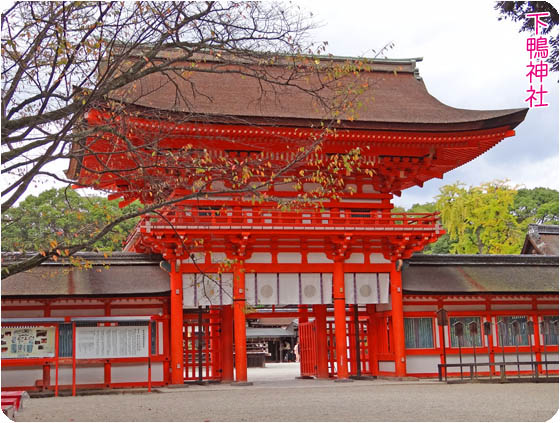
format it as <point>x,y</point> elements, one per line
<point>536,205</point>
<point>517,11</point>
<point>479,218</point>
<point>59,217</point>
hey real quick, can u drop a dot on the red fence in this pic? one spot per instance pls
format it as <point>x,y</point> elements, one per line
<point>201,340</point>
<point>308,349</point>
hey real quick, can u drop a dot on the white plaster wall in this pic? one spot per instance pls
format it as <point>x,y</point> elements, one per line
<point>218,257</point>
<point>355,258</point>
<point>89,374</point>
<point>513,357</point>
<point>267,288</point>
<point>64,375</point>
<point>551,357</point>
<point>511,306</point>
<point>121,372</point>
<point>376,258</point>
<point>21,376</point>
<point>308,187</point>
<point>422,363</point>
<point>311,288</point>
<point>157,372</point>
<point>285,187</point>
<point>386,366</point>
<point>368,188</point>
<point>289,288</point>
<point>420,307</point>
<point>260,258</point>
<point>384,288</point>
<point>207,292</point>
<point>318,258</point>
<point>198,258</point>
<point>78,312</point>
<point>136,311</point>
<point>466,307</point>
<point>160,348</point>
<point>547,306</point>
<point>289,257</point>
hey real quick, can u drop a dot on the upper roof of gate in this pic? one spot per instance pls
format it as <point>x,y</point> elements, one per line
<point>383,94</point>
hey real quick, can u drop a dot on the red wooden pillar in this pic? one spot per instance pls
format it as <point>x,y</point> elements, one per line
<point>227,343</point>
<point>371,339</point>
<point>339,301</point>
<point>538,345</point>
<point>320,311</point>
<point>302,311</point>
<point>398,323</point>
<point>176,325</point>
<point>239,322</point>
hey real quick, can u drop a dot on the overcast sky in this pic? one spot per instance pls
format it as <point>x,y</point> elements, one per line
<point>470,60</point>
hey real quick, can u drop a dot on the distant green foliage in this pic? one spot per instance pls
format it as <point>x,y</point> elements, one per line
<point>537,205</point>
<point>62,216</point>
<point>488,219</point>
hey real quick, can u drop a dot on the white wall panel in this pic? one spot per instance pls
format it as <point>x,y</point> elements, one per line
<point>137,372</point>
<point>78,312</point>
<point>260,258</point>
<point>383,288</point>
<point>311,290</point>
<point>422,363</point>
<point>267,288</point>
<point>465,307</point>
<point>136,311</point>
<point>386,366</point>
<point>355,258</point>
<point>21,376</point>
<point>289,257</point>
<point>378,258</point>
<point>318,258</point>
<point>420,307</point>
<point>367,288</point>
<point>218,257</point>
<point>88,374</point>
<point>511,306</point>
<point>326,281</point>
<point>201,290</point>
<point>547,306</point>
<point>289,288</point>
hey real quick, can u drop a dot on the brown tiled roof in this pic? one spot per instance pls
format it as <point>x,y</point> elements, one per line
<point>480,274</point>
<point>395,99</point>
<point>119,274</point>
<point>541,239</point>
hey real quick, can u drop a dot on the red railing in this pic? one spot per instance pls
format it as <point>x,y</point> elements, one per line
<point>331,219</point>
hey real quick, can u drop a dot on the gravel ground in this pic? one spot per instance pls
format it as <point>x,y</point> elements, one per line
<point>277,396</point>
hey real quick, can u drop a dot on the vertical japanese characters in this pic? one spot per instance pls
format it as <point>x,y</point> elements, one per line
<point>537,47</point>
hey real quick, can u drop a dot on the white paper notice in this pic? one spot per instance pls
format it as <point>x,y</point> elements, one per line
<point>111,341</point>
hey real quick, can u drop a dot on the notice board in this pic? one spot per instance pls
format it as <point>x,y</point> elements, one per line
<point>111,341</point>
<point>28,342</point>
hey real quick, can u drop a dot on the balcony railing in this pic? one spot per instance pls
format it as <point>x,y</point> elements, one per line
<point>260,218</point>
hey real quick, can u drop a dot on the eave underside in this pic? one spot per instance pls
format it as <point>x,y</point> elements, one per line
<point>401,159</point>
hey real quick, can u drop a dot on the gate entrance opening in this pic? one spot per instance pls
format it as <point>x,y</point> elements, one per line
<point>207,348</point>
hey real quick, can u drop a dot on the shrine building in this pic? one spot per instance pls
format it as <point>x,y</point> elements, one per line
<point>175,305</point>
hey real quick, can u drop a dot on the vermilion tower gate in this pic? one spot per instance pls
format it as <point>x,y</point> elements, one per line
<point>230,252</point>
